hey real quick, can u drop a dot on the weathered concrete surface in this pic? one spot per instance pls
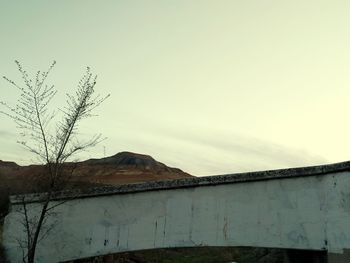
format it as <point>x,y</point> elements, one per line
<point>197,181</point>
<point>305,208</point>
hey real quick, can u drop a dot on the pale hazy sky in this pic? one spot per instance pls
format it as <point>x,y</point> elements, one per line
<point>210,87</point>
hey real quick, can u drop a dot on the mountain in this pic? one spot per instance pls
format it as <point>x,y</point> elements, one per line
<point>131,160</point>
<point>121,168</point>
<point>4,164</point>
<point>125,167</point>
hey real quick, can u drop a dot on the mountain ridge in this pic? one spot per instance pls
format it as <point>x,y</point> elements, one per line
<point>121,168</point>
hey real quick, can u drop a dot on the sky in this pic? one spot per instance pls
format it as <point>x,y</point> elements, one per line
<point>210,87</point>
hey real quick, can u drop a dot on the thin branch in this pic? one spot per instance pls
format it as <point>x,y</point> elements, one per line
<point>34,120</point>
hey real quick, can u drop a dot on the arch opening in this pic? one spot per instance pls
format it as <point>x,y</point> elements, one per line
<point>211,255</point>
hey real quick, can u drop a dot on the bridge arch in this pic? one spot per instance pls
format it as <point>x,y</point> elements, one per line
<point>302,208</point>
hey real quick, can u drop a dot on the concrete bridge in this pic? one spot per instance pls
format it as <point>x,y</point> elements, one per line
<point>299,208</point>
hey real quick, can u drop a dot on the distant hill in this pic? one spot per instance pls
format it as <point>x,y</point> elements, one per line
<point>121,168</point>
<point>4,164</point>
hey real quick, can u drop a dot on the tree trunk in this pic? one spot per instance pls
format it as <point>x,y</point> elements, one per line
<point>32,248</point>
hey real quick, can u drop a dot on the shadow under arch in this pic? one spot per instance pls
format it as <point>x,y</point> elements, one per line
<point>211,255</point>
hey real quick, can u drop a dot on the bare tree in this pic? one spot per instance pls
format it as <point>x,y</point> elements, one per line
<point>53,140</point>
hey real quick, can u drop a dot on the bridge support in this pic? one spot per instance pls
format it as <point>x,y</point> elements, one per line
<point>309,256</point>
<point>339,258</point>
<point>306,256</point>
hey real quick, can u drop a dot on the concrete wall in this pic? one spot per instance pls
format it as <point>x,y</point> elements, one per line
<point>310,212</point>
